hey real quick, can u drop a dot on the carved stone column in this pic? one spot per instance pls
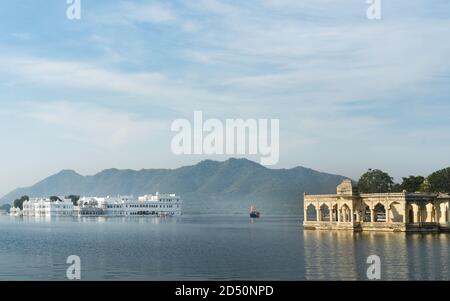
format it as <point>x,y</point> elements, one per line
<point>404,213</point>
<point>414,209</point>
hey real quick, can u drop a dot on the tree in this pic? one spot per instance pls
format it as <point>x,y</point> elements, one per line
<point>396,188</point>
<point>412,183</point>
<point>425,186</point>
<point>18,203</point>
<point>439,181</point>
<point>375,181</point>
<point>54,199</point>
<point>5,207</point>
<point>73,198</point>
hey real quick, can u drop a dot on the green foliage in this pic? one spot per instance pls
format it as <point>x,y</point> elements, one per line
<point>412,183</point>
<point>73,198</point>
<point>18,203</point>
<point>378,181</point>
<point>55,199</point>
<point>439,181</point>
<point>425,186</point>
<point>397,188</point>
<point>5,207</point>
<point>375,181</point>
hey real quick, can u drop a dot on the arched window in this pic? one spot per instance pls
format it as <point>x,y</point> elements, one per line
<point>311,214</point>
<point>334,212</point>
<point>395,213</point>
<point>367,214</point>
<point>411,215</point>
<point>345,214</point>
<point>434,217</point>
<point>324,213</point>
<point>380,213</point>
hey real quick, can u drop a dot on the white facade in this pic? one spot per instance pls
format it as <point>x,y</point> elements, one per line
<point>147,205</point>
<point>45,207</point>
<point>15,211</point>
<point>159,204</point>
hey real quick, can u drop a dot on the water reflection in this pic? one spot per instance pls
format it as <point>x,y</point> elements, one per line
<point>93,219</point>
<point>342,255</point>
<point>211,247</point>
<point>428,256</point>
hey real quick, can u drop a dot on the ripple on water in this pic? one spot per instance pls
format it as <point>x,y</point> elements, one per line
<point>207,247</point>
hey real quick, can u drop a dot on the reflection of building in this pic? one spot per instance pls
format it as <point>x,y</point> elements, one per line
<point>318,263</point>
<point>348,209</point>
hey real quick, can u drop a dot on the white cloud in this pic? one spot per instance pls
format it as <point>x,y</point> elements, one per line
<point>149,12</point>
<point>98,126</point>
<point>148,87</point>
<point>154,13</point>
<point>319,66</point>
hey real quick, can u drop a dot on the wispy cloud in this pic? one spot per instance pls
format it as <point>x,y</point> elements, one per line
<point>148,87</point>
<point>97,126</point>
<point>155,12</point>
<point>331,76</point>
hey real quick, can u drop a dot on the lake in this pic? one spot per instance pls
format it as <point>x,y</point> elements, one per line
<point>209,247</point>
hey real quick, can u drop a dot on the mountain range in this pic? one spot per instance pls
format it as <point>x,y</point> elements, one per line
<point>229,186</point>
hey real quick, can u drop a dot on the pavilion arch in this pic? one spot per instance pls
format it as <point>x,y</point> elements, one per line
<point>430,214</point>
<point>434,214</point>
<point>443,209</point>
<point>346,204</point>
<point>409,211</point>
<point>379,213</point>
<point>421,213</point>
<point>325,212</point>
<point>345,213</point>
<point>366,213</point>
<point>394,212</point>
<point>311,213</point>
<point>334,213</point>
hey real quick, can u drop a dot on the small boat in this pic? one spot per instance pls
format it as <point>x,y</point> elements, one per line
<point>253,212</point>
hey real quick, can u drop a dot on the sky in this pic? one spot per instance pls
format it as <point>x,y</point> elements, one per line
<point>101,92</point>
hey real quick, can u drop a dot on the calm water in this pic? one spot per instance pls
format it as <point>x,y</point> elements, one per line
<point>211,248</point>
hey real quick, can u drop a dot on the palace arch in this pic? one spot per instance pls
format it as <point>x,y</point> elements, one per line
<point>395,213</point>
<point>346,215</point>
<point>311,213</point>
<point>324,212</point>
<point>379,213</point>
<point>334,213</point>
<point>366,213</point>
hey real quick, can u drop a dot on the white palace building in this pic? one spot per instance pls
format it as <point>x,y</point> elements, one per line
<point>153,205</point>
<point>45,207</point>
<point>147,205</point>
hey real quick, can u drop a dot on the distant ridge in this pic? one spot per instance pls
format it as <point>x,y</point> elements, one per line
<point>210,186</point>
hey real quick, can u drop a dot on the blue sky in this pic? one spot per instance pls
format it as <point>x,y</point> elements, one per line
<point>102,92</point>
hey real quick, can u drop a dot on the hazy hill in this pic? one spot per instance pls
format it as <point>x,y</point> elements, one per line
<point>209,186</point>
